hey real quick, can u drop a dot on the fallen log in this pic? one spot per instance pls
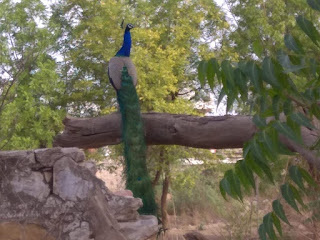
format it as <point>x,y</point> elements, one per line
<point>176,129</point>
<point>160,128</point>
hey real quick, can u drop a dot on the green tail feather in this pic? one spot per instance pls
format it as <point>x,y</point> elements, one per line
<point>138,180</point>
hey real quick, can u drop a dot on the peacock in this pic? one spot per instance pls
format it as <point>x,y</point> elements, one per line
<point>123,77</point>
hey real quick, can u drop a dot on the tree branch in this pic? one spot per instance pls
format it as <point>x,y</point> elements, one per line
<point>176,129</point>
<point>160,128</point>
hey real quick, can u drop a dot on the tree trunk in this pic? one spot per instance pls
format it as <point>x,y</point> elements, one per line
<point>165,190</point>
<point>176,129</point>
<point>159,171</point>
<point>156,178</point>
<point>160,129</point>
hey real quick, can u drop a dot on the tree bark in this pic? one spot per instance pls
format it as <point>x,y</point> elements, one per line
<point>164,195</point>
<point>160,128</point>
<point>176,129</point>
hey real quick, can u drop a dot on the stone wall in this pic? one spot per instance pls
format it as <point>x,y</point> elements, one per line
<point>53,193</point>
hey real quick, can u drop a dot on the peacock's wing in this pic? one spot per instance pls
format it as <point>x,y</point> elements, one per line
<point>115,68</point>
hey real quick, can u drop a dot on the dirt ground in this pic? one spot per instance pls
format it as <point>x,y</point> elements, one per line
<point>217,229</point>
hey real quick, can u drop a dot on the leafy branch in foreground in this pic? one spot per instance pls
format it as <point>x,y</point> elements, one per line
<point>284,93</point>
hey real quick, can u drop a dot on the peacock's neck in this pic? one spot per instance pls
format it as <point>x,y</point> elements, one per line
<point>126,46</point>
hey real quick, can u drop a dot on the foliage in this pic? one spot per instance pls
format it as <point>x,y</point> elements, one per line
<point>30,89</point>
<point>284,91</point>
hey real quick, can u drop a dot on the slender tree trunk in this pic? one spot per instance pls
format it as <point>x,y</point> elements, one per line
<point>156,178</point>
<point>159,171</point>
<point>165,190</point>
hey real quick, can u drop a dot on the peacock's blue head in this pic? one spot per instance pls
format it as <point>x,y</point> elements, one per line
<point>129,27</point>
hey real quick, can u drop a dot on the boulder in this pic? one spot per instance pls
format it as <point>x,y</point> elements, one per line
<point>56,190</point>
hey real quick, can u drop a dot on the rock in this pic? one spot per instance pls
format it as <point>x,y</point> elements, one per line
<point>143,228</point>
<point>126,193</point>
<point>32,185</point>
<point>81,233</point>
<point>48,156</point>
<point>68,182</point>
<point>47,176</point>
<point>194,236</point>
<point>54,188</point>
<point>90,165</point>
<point>15,161</point>
<point>124,208</point>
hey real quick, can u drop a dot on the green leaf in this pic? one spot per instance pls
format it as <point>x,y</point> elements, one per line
<point>224,187</point>
<point>245,174</point>
<point>287,107</point>
<point>275,106</point>
<point>242,177</point>
<point>257,48</point>
<point>287,194</point>
<point>270,140</point>
<point>293,44</point>
<point>278,209</point>
<point>259,121</point>
<point>262,232</point>
<point>227,72</point>
<point>268,225</point>
<point>230,101</point>
<point>308,28</point>
<point>240,81</point>
<point>295,127</point>
<point>315,110</point>
<point>246,149</point>
<point>253,72</point>
<point>212,69</point>
<point>284,129</point>
<point>301,119</point>
<point>248,173</point>
<point>268,73</point>
<point>234,184</point>
<point>284,150</point>
<point>296,176</point>
<point>285,61</point>
<point>277,223</point>
<point>297,195</point>
<point>256,150</point>
<point>251,162</point>
<point>307,177</point>
<point>266,169</point>
<point>221,96</point>
<point>315,4</point>
<point>202,69</point>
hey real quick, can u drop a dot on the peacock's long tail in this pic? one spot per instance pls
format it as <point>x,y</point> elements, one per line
<point>137,177</point>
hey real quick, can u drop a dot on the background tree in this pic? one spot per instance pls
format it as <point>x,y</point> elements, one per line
<point>285,90</point>
<point>30,106</point>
